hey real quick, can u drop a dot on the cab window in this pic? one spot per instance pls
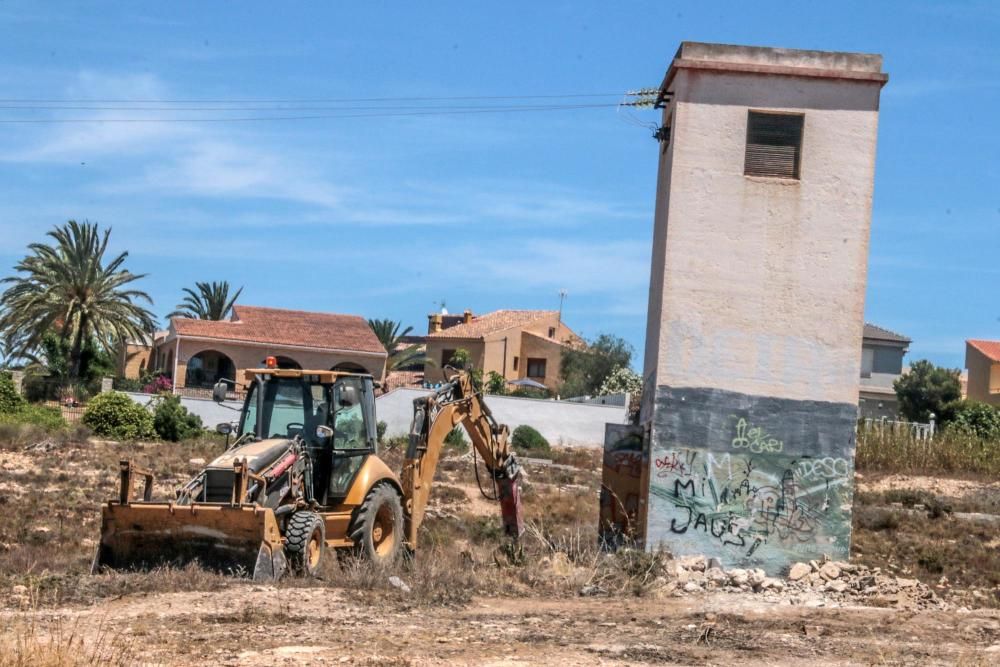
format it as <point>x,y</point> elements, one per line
<point>348,417</point>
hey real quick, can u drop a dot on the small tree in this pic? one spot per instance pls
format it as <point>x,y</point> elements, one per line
<point>496,383</point>
<point>928,389</point>
<point>10,400</point>
<point>977,419</point>
<point>584,370</point>
<point>461,359</point>
<point>173,422</point>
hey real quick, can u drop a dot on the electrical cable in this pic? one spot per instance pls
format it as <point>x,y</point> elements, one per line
<point>241,119</point>
<point>333,100</point>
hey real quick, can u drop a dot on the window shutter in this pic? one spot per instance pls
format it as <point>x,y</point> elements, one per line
<point>774,144</point>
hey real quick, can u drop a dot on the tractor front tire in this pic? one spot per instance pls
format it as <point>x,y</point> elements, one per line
<point>305,542</point>
<point>377,528</point>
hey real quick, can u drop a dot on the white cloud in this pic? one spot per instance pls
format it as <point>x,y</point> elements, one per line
<point>243,163</point>
<point>579,266</point>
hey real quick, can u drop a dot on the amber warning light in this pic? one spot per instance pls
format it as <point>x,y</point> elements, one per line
<point>271,362</point>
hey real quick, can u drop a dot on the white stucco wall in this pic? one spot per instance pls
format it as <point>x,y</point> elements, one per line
<point>211,413</point>
<point>561,422</point>
<point>762,282</point>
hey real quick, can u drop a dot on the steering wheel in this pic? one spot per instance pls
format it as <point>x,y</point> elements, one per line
<point>292,427</point>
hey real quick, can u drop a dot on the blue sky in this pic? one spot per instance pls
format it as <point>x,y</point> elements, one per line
<point>387,216</point>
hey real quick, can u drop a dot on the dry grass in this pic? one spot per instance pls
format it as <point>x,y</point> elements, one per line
<point>28,642</point>
<point>49,524</point>
<point>923,541</point>
<point>884,451</point>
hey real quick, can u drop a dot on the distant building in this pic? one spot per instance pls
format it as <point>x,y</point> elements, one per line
<point>198,353</point>
<point>982,360</point>
<point>881,365</point>
<point>515,343</point>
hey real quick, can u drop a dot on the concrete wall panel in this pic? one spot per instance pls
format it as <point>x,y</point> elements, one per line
<point>754,480</point>
<point>561,422</point>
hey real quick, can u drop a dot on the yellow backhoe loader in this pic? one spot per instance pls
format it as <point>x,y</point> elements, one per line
<point>302,476</point>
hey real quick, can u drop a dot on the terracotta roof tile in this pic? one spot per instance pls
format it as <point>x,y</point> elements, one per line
<point>991,348</point>
<point>490,323</point>
<point>403,379</point>
<point>878,333</point>
<point>296,328</point>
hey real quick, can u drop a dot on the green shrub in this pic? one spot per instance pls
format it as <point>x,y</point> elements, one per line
<point>380,429</point>
<point>976,419</point>
<point>495,383</point>
<point>527,440</point>
<point>115,415</point>
<point>173,422</point>
<point>48,418</point>
<point>10,400</point>
<point>456,439</point>
<point>129,384</point>
<point>530,392</point>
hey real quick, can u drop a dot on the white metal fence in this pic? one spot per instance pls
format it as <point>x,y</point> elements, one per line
<point>917,430</point>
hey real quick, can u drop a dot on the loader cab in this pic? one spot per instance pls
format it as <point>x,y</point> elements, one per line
<point>334,413</point>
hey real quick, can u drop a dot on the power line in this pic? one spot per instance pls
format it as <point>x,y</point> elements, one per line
<point>334,100</point>
<point>237,119</point>
<point>398,107</point>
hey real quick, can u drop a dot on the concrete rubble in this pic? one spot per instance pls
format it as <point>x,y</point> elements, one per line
<point>813,583</point>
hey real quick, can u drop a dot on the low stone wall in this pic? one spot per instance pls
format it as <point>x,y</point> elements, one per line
<point>561,422</point>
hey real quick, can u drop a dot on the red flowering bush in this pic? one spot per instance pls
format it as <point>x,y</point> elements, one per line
<point>159,385</point>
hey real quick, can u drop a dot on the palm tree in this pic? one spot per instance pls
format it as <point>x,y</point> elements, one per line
<point>68,288</point>
<point>387,332</point>
<point>210,302</point>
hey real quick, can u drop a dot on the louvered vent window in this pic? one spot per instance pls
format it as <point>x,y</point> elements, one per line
<point>774,144</point>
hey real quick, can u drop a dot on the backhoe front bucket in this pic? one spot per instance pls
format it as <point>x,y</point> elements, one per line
<point>230,538</point>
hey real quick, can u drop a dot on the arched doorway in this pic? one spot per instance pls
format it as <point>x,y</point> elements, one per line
<point>283,362</point>
<point>208,367</point>
<point>349,367</point>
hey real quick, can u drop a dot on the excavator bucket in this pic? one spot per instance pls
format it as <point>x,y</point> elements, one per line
<point>231,539</point>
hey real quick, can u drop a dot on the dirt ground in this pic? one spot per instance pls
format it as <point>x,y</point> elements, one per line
<point>463,608</point>
<point>266,625</point>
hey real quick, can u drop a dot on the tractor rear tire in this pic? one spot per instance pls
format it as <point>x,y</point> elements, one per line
<point>305,542</point>
<point>377,528</point>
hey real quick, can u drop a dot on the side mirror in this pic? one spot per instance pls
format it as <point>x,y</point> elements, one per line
<point>219,391</point>
<point>324,432</point>
<point>224,428</point>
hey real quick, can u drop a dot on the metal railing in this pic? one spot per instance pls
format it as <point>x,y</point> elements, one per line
<point>917,430</point>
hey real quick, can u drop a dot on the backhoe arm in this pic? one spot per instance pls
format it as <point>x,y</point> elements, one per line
<point>434,417</point>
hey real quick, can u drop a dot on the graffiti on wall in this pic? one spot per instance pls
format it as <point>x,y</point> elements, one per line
<point>754,482</point>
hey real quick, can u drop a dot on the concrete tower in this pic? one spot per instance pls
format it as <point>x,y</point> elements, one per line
<point>756,301</point>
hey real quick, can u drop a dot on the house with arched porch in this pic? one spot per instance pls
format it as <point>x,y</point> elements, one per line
<point>198,353</point>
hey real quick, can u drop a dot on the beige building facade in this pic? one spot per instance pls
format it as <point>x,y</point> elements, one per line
<point>517,344</point>
<point>756,301</point>
<point>982,361</point>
